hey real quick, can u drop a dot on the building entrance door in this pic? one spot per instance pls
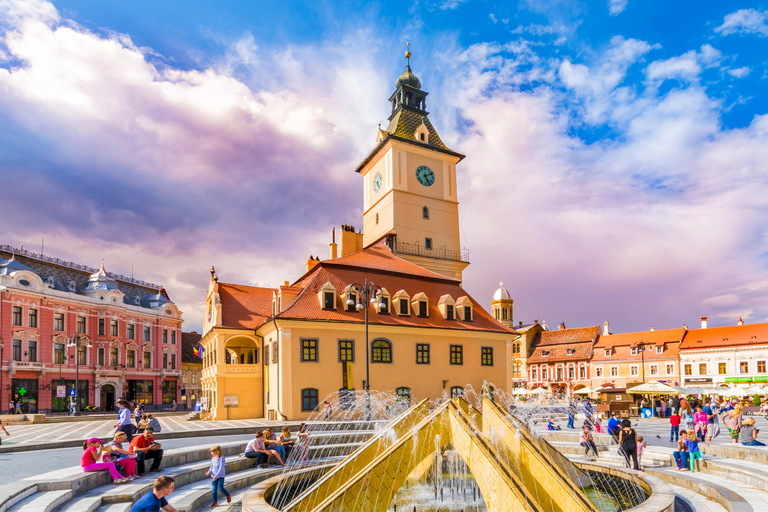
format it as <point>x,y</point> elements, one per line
<point>107,398</point>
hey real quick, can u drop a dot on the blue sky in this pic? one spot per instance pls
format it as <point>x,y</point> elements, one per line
<point>616,149</point>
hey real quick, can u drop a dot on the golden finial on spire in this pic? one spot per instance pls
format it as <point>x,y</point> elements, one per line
<point>408,51</point>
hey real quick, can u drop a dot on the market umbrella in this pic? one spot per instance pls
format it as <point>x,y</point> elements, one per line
<point>521,391</point>
<point>755,390</point>
<point>653,388</point>
<point>740,392</point>
<point>584,391</point>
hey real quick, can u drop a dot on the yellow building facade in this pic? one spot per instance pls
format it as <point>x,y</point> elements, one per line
<point>278,353</point>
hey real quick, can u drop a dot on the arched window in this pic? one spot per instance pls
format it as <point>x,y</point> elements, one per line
<point>309,399</point>
<point>382,351</point>
<point>250,357</point>
<point>424,210</point>
<point>457,391</point>
<point>242,358</point>
<point>404,396</point>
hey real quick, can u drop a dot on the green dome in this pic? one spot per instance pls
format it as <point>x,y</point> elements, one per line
<point>408,78</point>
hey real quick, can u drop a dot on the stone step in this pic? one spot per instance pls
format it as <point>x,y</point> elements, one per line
<point>745,472</point>
<point>696,501</point>
<point>42,502</point>
<point>13,492</point>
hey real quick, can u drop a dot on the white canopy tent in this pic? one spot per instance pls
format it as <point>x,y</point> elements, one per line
<point>653,388</point>
<point>584,391</point>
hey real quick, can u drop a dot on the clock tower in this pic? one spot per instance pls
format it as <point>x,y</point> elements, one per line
<point>410,194</point>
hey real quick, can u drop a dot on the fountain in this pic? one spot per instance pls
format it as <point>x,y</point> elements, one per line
<point>446,454</point>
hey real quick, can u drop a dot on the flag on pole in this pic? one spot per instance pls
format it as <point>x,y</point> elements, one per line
<point>200,350</point>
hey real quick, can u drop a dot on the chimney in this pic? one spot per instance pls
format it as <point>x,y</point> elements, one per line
<point>311,263</point>
<point>741,322</point>
<point>703,322</point>
<point>334,245</point>
<point>351,242</point>
<point>606,332</point>
<point>562,326</point>
<point>521,323</point>
<point>653,328</point>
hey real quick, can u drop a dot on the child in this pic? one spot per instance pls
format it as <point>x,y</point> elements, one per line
<point>302,443</point>
<point>587,441</point>
<point>92,452</point>
<point>640,445</point>
<point>599,425</point>
<point>681,455</point>
<point>551,425</point>
<point>287,441</point>
<point>674,420</point>
<point>692,445</point>
<point>218,468</point>
<point>700,419</point>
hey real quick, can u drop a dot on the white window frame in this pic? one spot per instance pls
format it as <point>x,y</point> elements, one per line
<point>598,371</point>
<point>667,368</point>
<point>614,371</point>
<point>653,369</point>
<point>634,370</point>
<point>608,352</point>
<point>633,351</point>
<point>660,349</point>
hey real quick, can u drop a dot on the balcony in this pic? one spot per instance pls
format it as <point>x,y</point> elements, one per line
<point>170,373</point>
<point>14,366</point>
<point>438,254</point>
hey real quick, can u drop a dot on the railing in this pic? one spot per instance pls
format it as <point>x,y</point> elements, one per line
<point>440,254</point>
<point>73,265</point>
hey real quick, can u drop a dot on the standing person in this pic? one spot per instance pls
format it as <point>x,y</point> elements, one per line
<point>124,420</point>
<point>628,444</point>
<point>18,406</point>
<point>681,455</point>
<point>589,410</point>
<point>700,420</point>
<point>91,460</point>
<point>657,406</point>
<point>614,425</point>
<point>640,446</point>
<point>173,406</point>
<point>122,458</point>
<point>571,416</point>
<point>687,415</point>
<point>692,444</point>
<point>217,472</point>
<point>599,424</point>
<point>748,433</point>
<point>137,414</point>
<point>587,441</point>
<point>145,447</point>
<point>287,441</point>
<point>302,443</point>
<point>155,500</point>
<point>328,410</point>
<point>4,430</point>
<point>674,421</point>
<point>11,407</point>
<point>663,408</point>
<point>71,408</point>
<point>732,420</point>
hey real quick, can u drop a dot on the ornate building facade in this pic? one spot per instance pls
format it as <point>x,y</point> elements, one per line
<point>128,332</point>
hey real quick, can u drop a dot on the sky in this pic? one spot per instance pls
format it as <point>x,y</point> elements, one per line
<point>617,150</point>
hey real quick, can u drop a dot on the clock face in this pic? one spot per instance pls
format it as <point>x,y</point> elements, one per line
<point>425,175</point>
<point>377,182</point>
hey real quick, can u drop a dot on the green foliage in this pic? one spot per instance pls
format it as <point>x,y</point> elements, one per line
<point>756,400</point>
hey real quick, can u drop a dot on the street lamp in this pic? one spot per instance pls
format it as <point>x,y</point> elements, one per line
<point>640,347</point>
<point>366,293</point>
<point>75,341</point>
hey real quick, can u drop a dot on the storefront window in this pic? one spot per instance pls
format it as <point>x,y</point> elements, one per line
<point>169,391</point>
<point>141,391</point>
<point>25,391</point>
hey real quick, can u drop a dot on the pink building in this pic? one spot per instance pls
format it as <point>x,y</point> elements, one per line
<point>559,360</point>
<point>129,330</point>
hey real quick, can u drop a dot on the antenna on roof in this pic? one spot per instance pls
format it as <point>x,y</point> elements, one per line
<point>42,247</point>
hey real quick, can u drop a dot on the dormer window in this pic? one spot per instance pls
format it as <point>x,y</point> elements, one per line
<point>401,303</point>
<point>446,305</point>
<point>353,299</point>
<point>464,309</point>
<point>422,133</point>
<point>49,281</point>
<point>419,304</point>
<point>71,286</point>
<point>608,352</point>
<point>660,349</point>
<point>545,353</point>
<point>449,312</point>
<point>404,307</point>
<point>423,308</point>
<point>570,352</point>
<point>329,301</point>
<point>382,304</point>
<point>633,351</point>
<point>326,295</point>
<point>137,300</point>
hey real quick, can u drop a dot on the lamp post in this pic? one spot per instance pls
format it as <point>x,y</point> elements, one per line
<point>366,293</point>
<point>640,347</point>
<point>75,341</point>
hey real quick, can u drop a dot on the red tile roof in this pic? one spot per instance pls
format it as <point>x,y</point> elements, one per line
<point>557,343</point>
<point>622,344</point>
<point>244,307</point>
<point>565,336</point>
<point>723,337</point>
<point>189,340</point>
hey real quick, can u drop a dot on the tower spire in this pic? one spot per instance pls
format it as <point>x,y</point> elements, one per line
<point>408,54</point>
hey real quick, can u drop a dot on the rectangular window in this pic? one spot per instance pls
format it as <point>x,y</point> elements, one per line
<point>533,374</point>
<point>457,354</point>
<point>58,353</point>
<point>169,391</point>
<point>165,335</point>
<point>102,326</point>
<point>607,353</point>
<point>670,369</point>
<point>346,351</point>
<point>598,371</point>
<point>654,369</point>
<point>761,367</point>
<point>721,369</point>
<point>422,353</point>
<point>146,333</point>
<point>422,308</point>
<point>147,359</point>
<point>486,356</point>
<point>744,367</point>
<point>130,359</point>
<point>328,300</point>
<point>702,368</point>
<point>467,313</point>
<point>173,337</point>
<point>81,325</point>
<point>660,349</point>
<point>165,361</point>
<point>58,322</point>
<point>32,351</point>
<point>688,369</point>
<point>571,373</point>
<point>614,371</point>
<point>81,354</point>
<point>583,373</point>
<point>17,315</point>
<point>403,307</point>
<point>114,358</point>
<point>130,332</point>
<point>544,373</point>
<point>384,305</point>
<point>633,351</point>
<point>32,317</point>
<point>17,350</point>
<point>428,244</point>
<point>309,350</point>
<point>101,357</point>
<point>309,399</point>
<point>448,312</point>
<point>114,328</point>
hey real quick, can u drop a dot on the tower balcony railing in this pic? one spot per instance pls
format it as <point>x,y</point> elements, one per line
<point>439,254</point>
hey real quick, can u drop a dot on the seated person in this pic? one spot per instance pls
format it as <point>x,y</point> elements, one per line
<point>681,454</point>
<point>147,420</point>
<point>748,433</point>
<point>257,449</point>
<point>271,441</point>
<point>145,447</point>
<point>587,441</point>
<point>551,425</point>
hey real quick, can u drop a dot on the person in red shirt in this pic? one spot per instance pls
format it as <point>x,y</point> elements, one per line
<point>674,420</point>
<point>145,447</point>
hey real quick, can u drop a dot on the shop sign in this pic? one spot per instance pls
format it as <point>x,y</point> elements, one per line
<point>230,400</point>
<point>704,379</point>
<point>760,378</point>
<point>61,391</point>
<point>738,379</point>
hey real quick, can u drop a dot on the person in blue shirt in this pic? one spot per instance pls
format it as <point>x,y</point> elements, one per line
<point>551,425</point>
<point>589,410</point>
<point>124,419</point>
<point>571,416</point>
<point>692,445</point>
<point>217,472</point>
<point>614,425</point>
<point>155,500</point>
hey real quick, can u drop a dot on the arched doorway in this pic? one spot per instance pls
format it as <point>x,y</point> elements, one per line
<point>107,398</point>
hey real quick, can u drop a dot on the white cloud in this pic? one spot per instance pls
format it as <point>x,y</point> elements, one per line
<point>616,7</point>
<point>684,67</point>
<point>493,18</point>
<point>745,21</point>
<point>740,72</point>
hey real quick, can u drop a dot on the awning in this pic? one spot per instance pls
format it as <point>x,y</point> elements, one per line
<point>653,388</point>
<point>584,391</point>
